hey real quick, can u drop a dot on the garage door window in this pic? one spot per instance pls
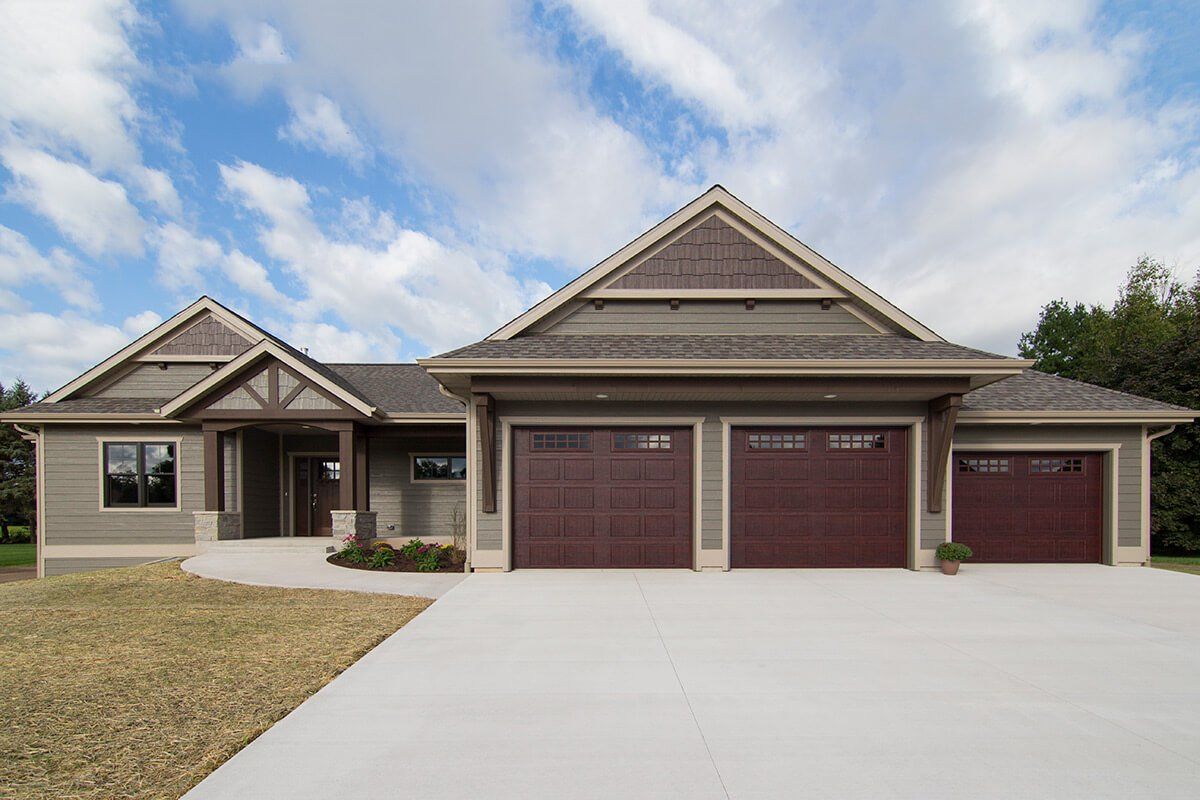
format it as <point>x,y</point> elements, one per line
<point>562,440</point>
<point>775,441</point>
<point>641,441</point>
<point>1051,466</point>
<point>994,466</point>
<point>857,441</point>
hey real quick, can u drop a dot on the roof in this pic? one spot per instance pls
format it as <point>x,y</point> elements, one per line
<point>722,347</point>
<point>1039,391</point>
<point>397,388</point>
<point>92,405</point>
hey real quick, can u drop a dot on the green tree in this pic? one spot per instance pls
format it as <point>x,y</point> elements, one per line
<point>18,482</point>
<point>1147,343</point>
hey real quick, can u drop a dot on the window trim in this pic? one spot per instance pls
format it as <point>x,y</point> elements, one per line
<point>102,472</point>
<point>412,468</point>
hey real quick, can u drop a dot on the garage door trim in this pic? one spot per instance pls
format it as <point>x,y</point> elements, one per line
<point>1109,450</point>
<point>507,423</point>
<point>916,445</point>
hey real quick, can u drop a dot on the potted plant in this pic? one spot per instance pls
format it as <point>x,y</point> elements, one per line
<point>951,555</point>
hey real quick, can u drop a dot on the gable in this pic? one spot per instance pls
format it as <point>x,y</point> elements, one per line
<point>207,337</point>
<point>713,255</point>
<point>159,381</point>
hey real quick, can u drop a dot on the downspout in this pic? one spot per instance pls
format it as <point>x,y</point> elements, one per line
<point>1150,437</point>
<point>468,506</point>
<point>39,489</point>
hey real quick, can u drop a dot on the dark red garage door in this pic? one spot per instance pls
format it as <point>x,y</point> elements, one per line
<point>819,497</point>
<point>602,497</point>
<point>1029,507</point>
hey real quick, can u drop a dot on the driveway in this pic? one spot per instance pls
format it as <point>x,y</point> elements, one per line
<point>1006,681</point>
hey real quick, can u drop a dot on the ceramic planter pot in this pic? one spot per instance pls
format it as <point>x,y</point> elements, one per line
<point>950,567</point>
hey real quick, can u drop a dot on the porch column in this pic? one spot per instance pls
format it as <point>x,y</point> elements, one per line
<point>943,414</point>
<point>348,459</point>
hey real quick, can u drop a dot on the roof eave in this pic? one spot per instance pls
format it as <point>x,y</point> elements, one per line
<point>576,366</point>
<point>1023,417</point>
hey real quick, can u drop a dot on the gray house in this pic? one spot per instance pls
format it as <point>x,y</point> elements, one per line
<point>714,395</point>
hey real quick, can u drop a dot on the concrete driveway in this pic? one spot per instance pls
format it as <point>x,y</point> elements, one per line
<point>1055,682</point>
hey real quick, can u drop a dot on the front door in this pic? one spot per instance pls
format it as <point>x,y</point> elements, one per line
<point>316,493</point>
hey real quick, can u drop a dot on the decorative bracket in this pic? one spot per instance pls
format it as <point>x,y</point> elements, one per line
<point>943,414</point>
<point>485,414</point>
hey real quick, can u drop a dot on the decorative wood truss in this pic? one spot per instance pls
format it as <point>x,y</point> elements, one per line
<point>943,414</point>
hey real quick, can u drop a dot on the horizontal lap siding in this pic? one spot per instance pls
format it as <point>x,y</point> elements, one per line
<point>72,469</point>
<point>148,380</point>
<point>933,526</point>
<point>65,566</point>
<point>417,510</point>
<point>489,528</point>
<point>708,317</point>
<point>1129,460</point>
<point>711,481</point>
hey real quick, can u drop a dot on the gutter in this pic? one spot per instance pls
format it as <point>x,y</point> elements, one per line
<point>39,490</point>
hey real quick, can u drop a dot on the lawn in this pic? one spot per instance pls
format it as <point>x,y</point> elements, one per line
<point>17,555</point>
<point>1190,564</point>
<point>138,682</point>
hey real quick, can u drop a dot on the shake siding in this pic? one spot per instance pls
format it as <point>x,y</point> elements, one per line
<point>147,380</point>
<point>260,483</point>
<point>1129,458</point>
<point>416,510</point>
<point>707,317</point>
<point>72,470</point>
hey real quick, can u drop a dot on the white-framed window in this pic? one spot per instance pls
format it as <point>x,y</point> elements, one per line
<point>140,474</point>
<point>439,467</point>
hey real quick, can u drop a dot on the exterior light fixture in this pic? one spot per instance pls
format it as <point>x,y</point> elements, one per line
<point>830,396</point>
<point>601,397</point>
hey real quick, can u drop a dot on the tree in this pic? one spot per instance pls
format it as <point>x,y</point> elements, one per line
<point>1147,343</point>
<point>18,482</point>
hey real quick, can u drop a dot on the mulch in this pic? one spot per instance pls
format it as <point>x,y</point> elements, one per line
<point>402,564</point>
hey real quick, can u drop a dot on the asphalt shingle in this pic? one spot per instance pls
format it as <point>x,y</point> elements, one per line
<point>1037,391</point>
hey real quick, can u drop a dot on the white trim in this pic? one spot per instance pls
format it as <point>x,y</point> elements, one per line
<point>87,419</point>
<point>145,439</point>
<point>712,294</point>
<point>718,196</point>
<point>1077,417</point>
<point>1111,535</point>
<point>291,528</point>
<point>913,424</point>
<point>412,468</point>
<point>740,367</point>
<point>408,418</point>
<point>148,551</point>
<point>507,423</point>
<point>261,350</point>
<point>37,439</point>
<point>181,359</point>
<point>145,341</point>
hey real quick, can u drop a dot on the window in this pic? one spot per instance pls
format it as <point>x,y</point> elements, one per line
<point>1042,466</point>
<point>990,465</point>
<point>439,468</point>
<point>139,475</point>
<point>641,441</point>
<point>330,471</point>
<point>565,440</point>
<point>857,441</point>
<point>775,441</point>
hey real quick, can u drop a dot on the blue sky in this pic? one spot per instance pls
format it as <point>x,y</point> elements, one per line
<point>383,180</point>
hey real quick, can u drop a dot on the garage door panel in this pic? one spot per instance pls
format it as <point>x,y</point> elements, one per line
<point>622,498</point>
<point>1029,507</point>
<point>843,506</point>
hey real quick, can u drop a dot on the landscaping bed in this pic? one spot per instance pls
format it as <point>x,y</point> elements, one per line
<point>138,682</point>
<point>414,556</point>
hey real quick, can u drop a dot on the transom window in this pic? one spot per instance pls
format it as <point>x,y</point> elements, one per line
<point>139,475</point>
<point>331,470</point>
<point>1040,466</point>
<point>562,440</point>
<point>857,441</point>
<point>439,468</point>
<point>775,441</point>
<point>641,441</point>
<point>990,465</point>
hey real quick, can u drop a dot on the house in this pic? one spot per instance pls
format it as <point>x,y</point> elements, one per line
<point>714,395</point>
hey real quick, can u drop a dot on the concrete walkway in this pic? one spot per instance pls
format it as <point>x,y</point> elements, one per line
<point>1041,682</point>
<point>312,571</point>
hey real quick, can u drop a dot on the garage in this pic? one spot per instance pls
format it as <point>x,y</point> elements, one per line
<point>1029,507</point>
<point>819,497</point>
<point>602,497</point>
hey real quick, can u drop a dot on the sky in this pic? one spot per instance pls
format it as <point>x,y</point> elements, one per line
<point>379,180</point>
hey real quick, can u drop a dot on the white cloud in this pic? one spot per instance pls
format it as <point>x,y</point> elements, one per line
<point>330,343</point>
<point>141,323</point>
<point>184,257</point>
<point>317,124</point>
<point>21,263</point>
<point>251,276</point>
<point>260,43</point>
<point>93,213</point>
<point>47,351</point>
<point>410,283</point>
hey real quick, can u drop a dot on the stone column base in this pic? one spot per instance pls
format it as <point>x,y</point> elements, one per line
<point>360,524</point>
<point>215,526</point>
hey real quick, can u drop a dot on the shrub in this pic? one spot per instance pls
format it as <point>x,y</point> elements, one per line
<point>381,558</point>
<point>384,546</point>
<point>429,557</point>
<point>410,549</point>
<point>352,550</point>
<point>953,551</point>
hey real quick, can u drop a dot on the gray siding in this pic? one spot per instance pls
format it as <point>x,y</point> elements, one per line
<point>1129,470</point>
<point>72,469</point>
<point>489,531</point>
<point>707,317</point>
<point>65,566</point>
<point>148,380</point>
<point>260,483</point>
<point>416,510</point>
<point>711,485</point>
<point>933,526</point>
<point>232,499</point>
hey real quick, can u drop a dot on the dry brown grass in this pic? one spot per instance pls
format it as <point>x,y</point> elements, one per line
<point>139,682</point>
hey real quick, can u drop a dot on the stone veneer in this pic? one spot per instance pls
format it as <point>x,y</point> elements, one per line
<point>361,524</point>
<point>214,526</point>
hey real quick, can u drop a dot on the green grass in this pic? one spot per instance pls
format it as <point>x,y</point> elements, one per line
<point>1189,564</point>
<point>18,555</point>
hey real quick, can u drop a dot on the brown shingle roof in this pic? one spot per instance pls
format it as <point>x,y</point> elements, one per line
<point>702,347</point>
<point>1037,391</point>
<point>94,405</point>
<point>396,388</point>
